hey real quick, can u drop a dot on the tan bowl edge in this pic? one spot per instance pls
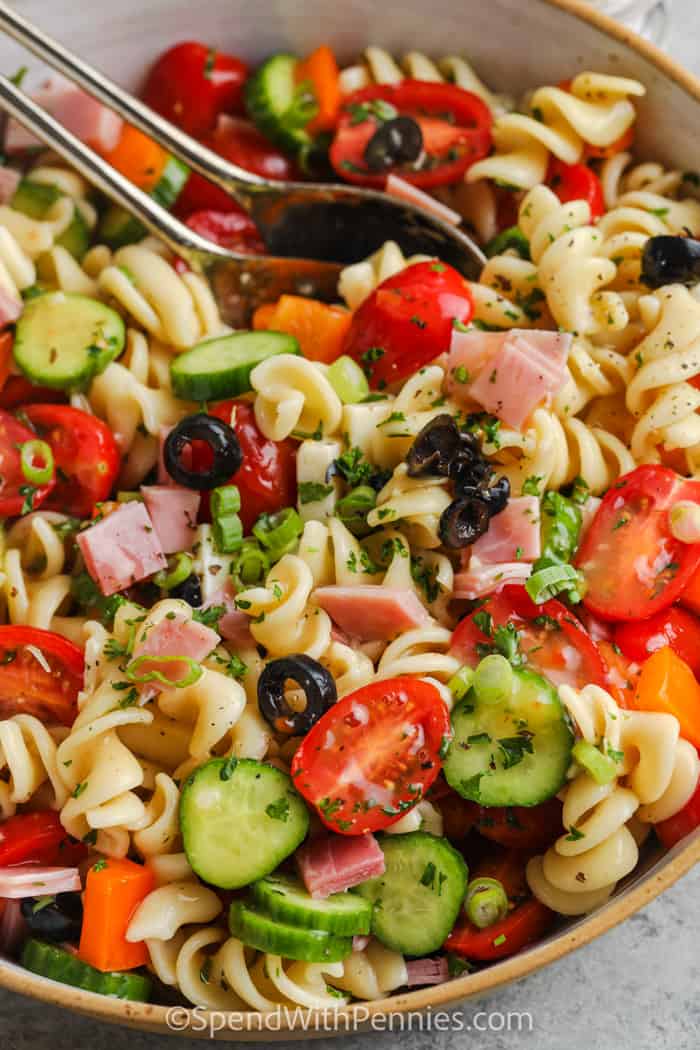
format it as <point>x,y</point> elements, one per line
<point>664,873</point>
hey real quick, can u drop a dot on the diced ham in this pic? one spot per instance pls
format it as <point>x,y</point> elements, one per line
<point>178,636</point>
<point>422,972</point>
<point>479,580</point>
<point>513,535</point>
<point>88,119</point>
<point>398,187</point>
<point>9,181</point>
<point>11,307</point>
<point>122,549</point>
<point>33,880</point>
<point>234,625</point>
<point>173,511</point>
<point>333,863</point>
<point>508,373</point>
<point>371,612</point>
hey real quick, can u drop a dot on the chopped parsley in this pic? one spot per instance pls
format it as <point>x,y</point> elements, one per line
<point>313,491</point>
<point>279,809</point>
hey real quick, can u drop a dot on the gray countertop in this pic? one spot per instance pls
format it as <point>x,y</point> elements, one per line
<point>636,988</point>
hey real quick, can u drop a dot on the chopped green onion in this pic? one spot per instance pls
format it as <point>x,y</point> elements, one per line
<point>224,501</point>
<point>228,533</point>
<point>353,509</point>
<point>250,566</point>
<point>179,568</point>
<point>193,675</point>
<point>129,497</point>
<point>460,683</point>
<point>36,473</point>
<point>493,679</point>
<point>348,380</point>
<point>486,902</point>
<point>279,533</point>
<point>548,583</point>
<point>599,766</point>
<point>512,239</point>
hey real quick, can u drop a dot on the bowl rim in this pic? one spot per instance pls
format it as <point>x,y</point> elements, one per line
<point>663,874</point>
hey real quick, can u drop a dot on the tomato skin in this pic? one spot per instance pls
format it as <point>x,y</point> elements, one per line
<point>521,927</point>
<point>191,84</point>
<point>690,596</point>
<point>674,829</point>
<point>26,688</point>
<point>377,729</point>
<point>577,182</point>
<point>232,229</point>
<point>514,605</point>
<point>38,838</point>
<point>85,453</point>
<point>521,827</point>
<point>267,477</point>
<point>409,317</point>
<point>17,391</point>
<point>468,133</point>
<point>631,529</point>
<point>673,627</point>
<point>13,433</point>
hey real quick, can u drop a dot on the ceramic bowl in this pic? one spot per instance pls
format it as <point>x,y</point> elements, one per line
<point>514,46</point>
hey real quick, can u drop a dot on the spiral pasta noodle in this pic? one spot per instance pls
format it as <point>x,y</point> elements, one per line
<point>294,396</point>
<point>28,754</point>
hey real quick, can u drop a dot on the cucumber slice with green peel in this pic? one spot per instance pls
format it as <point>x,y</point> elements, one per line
<point>48,960</point>
<point>34,199</point>
<point>279,106</point>
<point>260,931</point>
<point>417,899</point>
<point>512,753</point>
<point>284,898</point>
<point>119,228</point>
<point>63,340</point>
<point>240,820</point>
<point>220,368</point>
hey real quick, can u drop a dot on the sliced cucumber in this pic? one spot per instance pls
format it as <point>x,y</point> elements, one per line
<point>36,198</point>
<point>286,899</point>
<point>417,899</point>
<point>280,938</point>
<point>119,228</point>
<point>279,106</point>
<point>515,752</point>
<point>220,368</point>
<point>57,964</point>
<point>240,820</point>
<point>62,340</point>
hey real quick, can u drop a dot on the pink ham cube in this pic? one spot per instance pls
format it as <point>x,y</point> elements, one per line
<point>122,549</point>
<point>333,863</point>
<point>370,611</point>
<point>173,511</point>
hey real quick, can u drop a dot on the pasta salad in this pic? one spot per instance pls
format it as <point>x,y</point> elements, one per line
<point>356,650</point>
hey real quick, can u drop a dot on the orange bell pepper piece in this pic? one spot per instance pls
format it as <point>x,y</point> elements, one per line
<point>690,597</point>
<point>138,158</point>
<point>667,684</point>
<point>320,329</point>
<point>320,69</point>
<point>113,891</point>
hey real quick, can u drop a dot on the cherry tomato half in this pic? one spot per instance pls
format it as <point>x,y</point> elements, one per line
<point>577,182</point>
<point>38,838</point>
<point>266,479</point>
<point>373,755</point>
<point>233,229</point>
<point>17,391</point>
<point>674,627</point>
<point>632,564</point>
<point>407,321</point>
<point>552,640</point>
<point>525,924</point>
<point>456,128</point>
<point>674,829</point>
<point>191,84</point>
<point>86,454</point>
<point>26,687</point>
<point>17,494</point>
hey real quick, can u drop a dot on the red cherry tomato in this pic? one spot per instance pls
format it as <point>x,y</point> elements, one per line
<point>521,827</point>
<point>456,127</point>
<point>266,479</point>
<point>17,493</point>
<point>17,391</point>
<point>552,640</point>
<point>632,565</point>
<point>674,627</point>
<point>26,687</point>
<point>690,597</point>
<point>38,838</point>
<point>577,182</point>
<point>674,829</point>
<point>86,455</point>
<point>407,321</point>
<point>231,229</point>
<point>191,84</point>
<point>239,142</point>
<point>373,755</point>
<point>525,924</point>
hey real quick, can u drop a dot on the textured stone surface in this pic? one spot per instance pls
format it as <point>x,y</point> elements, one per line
<point>633,989</point>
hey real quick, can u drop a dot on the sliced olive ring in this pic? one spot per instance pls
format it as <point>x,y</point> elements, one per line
<point>317,684</point>
<point>190,591</point>
<point>434,447</point>
<point>397,141</point>
<point>495,495</point>
<point>221,439</point>
<point>463,522</point>
<point>670,260</point>
<point>55,919</point>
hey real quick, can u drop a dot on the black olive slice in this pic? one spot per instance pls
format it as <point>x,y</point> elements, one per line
<point>222,440</point>
<point>463,522</point>
<point>397,141</point>
<point>190,591</point>
<point>434,447</point>
<point>316,682</point>
<point>670,260</point>
<point>56,919</point>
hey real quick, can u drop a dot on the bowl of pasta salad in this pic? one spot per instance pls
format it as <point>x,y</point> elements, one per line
<point>349,662</point>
